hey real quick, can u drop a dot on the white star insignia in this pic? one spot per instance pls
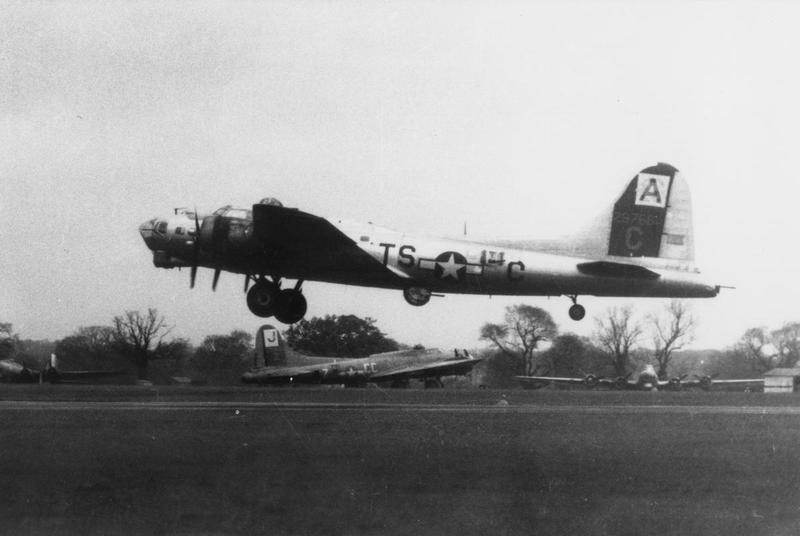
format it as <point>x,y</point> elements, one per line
<point>450,268</point>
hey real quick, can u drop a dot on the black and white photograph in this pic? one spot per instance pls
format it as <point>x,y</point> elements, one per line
<point>399,267</point>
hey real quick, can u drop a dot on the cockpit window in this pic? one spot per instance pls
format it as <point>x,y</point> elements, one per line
<point>179,230</point>
<point>161,227</point>
<point>239,213</point>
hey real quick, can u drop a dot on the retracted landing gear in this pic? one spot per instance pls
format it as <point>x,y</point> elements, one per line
<point>266,299</point>
<point>576,311</point>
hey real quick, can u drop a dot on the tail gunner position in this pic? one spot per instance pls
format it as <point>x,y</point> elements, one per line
<point>642,246</point>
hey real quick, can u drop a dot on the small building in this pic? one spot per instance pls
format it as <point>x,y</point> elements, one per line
<point>782,380</point>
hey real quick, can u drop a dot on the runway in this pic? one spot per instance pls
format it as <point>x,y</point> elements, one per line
<point>389,408</point>
<point>286,461</point>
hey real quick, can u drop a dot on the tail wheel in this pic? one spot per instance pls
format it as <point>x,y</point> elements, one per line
<point>262,299</point>
<point>291,306</point>
<point>577,312</point>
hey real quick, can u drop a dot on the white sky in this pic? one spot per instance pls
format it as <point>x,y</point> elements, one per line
<point>523,119</point>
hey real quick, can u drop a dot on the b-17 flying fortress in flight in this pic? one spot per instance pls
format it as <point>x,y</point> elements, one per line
<point>641,247</point>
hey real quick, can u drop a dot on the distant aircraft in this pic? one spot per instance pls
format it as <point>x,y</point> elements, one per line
<point>272,365</point>
<point>642,246</point>
<point>647,380</point>
<point>13,372</point>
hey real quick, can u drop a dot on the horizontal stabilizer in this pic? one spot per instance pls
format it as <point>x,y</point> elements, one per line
<point>616,269</point>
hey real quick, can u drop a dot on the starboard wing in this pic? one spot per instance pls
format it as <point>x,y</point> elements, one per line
<point>446,367</point>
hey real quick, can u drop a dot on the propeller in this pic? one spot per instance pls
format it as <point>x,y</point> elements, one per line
<point>196,253</point>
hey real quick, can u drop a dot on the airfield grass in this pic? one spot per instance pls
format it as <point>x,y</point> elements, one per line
<point>399,470</point>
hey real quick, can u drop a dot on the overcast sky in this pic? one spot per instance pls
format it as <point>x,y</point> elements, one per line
<point>522,119</point>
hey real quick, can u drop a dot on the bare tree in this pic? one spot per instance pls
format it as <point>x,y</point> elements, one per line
<point>524,327</point>
<point>617,333</point>
<point>139,336</point>
<point>787,343</point>
<point>672,330</point>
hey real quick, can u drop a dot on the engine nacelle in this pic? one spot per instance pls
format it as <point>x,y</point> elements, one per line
<point>162,259</point>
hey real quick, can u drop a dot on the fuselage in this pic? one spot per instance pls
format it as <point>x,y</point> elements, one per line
<point>438,264</point>
<point>362,370</point>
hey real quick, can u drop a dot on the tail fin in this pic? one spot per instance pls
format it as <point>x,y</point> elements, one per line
<point>653,217</point>
<point>270,348</point>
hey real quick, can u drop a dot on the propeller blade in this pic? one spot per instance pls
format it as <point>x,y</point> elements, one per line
<point>216,279</point>
<point>196,253</point>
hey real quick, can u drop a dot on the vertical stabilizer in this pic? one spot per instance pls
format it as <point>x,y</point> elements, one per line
<point>270,348</point>
<point>653,217</point>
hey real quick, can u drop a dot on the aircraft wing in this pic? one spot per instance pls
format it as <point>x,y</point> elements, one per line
<point>316,244</point>
<point>445,367</point>
<point>707,383</point>
<point>298,374</point>
<point>548,379</point>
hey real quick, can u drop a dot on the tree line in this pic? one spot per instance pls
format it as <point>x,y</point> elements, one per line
<point>526,342</point>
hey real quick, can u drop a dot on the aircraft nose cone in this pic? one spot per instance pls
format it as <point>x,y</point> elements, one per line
<point>146,230</point>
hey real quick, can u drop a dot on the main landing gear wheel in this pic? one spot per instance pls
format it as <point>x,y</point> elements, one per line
<point>291,306</point>
<point>262,299</point>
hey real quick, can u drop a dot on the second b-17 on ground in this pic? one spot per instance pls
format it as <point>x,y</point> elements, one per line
<point>275,363</point>
<point>642,246</point>
<point>647,380</point>
<point>14,372</point>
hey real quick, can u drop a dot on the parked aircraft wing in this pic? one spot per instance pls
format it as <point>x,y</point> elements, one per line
<point>549,379</point>
<point>299,374</point>
<point>705,382</point>
<point>317,243</point>
<point>446,367</point>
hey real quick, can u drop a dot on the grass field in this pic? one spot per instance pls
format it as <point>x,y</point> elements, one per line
<point>411,469</point>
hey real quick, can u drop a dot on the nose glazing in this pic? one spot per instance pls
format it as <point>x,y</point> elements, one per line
<point>146,230</point>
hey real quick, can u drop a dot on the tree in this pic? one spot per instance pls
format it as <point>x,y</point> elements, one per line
<point>571,355</point>
<point>9,342</point>
<point>139,335</point>
<point>87,346</point>
<point>617,334</point>
<point>671,331</point>
<point>524,327</point>
<point>339,336</point>
<point>787,343</point>
<point>756,348</point>
<point>224,355</point>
